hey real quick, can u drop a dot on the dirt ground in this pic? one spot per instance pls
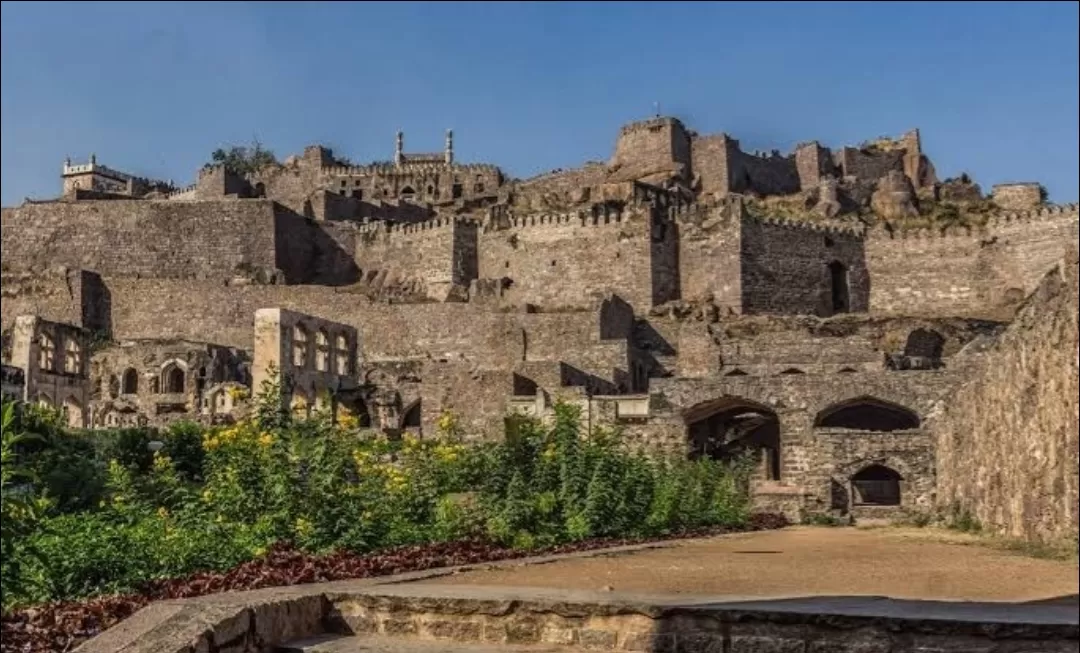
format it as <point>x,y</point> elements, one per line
<point>803,561</point>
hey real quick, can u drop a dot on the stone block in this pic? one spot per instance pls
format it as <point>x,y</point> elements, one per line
<point>593,639</point>
<point>460,631</point>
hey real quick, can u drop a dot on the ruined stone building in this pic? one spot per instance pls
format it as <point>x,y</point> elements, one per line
<point>819,309</point>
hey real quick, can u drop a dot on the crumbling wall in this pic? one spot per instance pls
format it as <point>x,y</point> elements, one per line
<point>1007,441</point>
<point>572,260</point>
<point>435,258</point>
<point>981,272</point>
<point>63,295</point>
<point>870,165</point>
<point>1017,197</point>
<point>813,163</point>
<point>658,147</point>
<point>710,163</point>
<point>766,174</point>
<point>788,268</point>
<point>709,251</point>
<point>475,397</point>
<point>724,168</point>
<point>559,188</point>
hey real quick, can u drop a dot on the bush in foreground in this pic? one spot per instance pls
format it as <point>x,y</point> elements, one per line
<point>321,489</point>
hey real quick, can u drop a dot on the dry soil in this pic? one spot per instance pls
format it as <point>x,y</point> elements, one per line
<point>808,561</point>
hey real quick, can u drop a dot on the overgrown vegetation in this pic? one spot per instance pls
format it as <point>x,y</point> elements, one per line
<point>243,159</point>
<point>824,519</point>
<point>107,515</point>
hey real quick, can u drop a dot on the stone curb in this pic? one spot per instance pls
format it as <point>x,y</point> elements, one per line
<point>169,622</point>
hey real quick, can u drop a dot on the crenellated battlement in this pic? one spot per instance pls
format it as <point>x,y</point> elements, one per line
<point>407,168</point>
<point>651,123</point>
<point>823,227</point>
<point>581,218</point>
<point>187,192</point>
<point>407,229</point>
<point>995,222</point>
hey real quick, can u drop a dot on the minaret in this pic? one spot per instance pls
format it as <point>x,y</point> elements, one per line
<point>399,148</point>
<point>449,146</point>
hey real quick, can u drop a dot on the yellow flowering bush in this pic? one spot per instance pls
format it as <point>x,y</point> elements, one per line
<point>321,486</point>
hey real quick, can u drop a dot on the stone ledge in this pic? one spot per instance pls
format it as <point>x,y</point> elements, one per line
<point>253,622</point>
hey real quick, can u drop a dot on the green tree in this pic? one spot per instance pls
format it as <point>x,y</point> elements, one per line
<point>243,159</point>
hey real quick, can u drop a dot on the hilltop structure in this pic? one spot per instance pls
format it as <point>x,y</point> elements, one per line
<point>818,309</point>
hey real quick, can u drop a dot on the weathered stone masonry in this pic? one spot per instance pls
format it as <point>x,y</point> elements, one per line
<point>806,308</point>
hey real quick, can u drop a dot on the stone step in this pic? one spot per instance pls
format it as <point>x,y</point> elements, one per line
<point>381,644</point>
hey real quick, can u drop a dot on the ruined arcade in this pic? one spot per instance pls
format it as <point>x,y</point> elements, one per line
<point>834,311</point>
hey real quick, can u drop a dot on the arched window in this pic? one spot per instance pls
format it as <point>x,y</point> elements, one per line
<point>260,189</point>
<point>341,355</point>
<point>172,379</point>
<point>408,193</point>
<point>412,417</point>
<point>72,357</point>
<point>876,485</point>
<point>924,343</point>
<point>300,346</point>
<point>867,414</point>
<point>130,383</point>
<point>791,370</point>
<point>46,353</point>
<point>322,351</point>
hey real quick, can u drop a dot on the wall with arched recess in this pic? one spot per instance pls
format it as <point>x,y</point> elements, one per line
<point>812,458</point>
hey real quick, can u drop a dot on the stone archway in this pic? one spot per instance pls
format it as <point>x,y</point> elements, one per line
<point>876,485</point>
<point>872,483</point>
<point>728,427</point>
<point>867,414</point>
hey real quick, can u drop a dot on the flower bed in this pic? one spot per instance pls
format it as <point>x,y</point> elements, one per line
<point>63,626</point>
<point>277,501</point>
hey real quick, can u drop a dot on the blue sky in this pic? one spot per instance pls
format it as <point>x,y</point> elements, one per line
<point>153,88</point>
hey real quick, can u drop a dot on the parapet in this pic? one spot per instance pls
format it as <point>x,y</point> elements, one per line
<point>998,221</point>
<point>822,227</point>
<point>1018,196</point>
<point>400,229</point>
<point>408,167</point>
<point>651,123</point>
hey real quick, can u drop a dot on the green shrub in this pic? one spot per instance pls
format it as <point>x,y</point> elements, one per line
<point>823,519</point>
<point>213,498</point>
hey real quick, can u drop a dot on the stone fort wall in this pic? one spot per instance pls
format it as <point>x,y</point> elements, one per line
<point>978,272</point>
<point>573,259</point>
<point>436,255</point>
<point>209,311</point>
<point>786,268</point>
<point>76,297</point>
<point>1007,442</point>
<point>163,239</point>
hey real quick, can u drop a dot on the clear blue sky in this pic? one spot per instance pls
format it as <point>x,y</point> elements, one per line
<point>154,88</point>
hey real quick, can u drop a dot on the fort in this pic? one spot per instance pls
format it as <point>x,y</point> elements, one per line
<point>840,313</point>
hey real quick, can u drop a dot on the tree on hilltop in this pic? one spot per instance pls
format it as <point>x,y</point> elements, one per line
<point>243,159</point>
